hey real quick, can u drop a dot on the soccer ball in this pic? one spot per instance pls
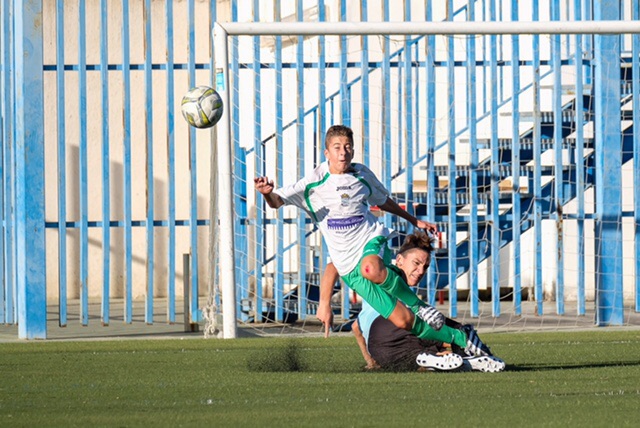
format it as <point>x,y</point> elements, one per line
<point>202,107</point>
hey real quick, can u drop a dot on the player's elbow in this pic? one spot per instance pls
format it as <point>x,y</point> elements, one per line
<point>387,205</point>
<point>405,324</point>
<point>373,269</point>
<point>274,201</point>
<point>402,317</point>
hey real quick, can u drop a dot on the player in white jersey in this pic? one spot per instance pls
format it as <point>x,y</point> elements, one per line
<point>338,195</point>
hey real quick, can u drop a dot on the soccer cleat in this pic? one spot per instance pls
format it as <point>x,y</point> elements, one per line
<point>431,316</point>
<point>439,362</point>
<point>485,364</point>
<point>475,347</point>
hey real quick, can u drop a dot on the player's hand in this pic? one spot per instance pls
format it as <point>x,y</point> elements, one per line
<point>429,227</point>
<point>431,316</point>
<point>325,315</point>
<point>263,185</point>
<point>371,364</point>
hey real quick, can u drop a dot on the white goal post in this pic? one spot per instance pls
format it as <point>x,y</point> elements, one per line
<point>221,33</point>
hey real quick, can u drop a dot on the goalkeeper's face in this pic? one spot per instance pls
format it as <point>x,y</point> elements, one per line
<point>339,153</point>
<point>414,263</point>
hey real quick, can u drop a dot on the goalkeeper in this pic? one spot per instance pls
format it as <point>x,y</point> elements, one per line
<point>337,195</point>
<point>384,345</point>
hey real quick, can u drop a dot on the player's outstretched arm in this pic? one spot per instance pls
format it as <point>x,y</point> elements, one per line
<point>325,313</point>
<point>392,207</point>
<point>371,363</point>
<point>265,186</point>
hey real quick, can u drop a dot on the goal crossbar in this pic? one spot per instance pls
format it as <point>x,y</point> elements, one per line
<point>432,28</point>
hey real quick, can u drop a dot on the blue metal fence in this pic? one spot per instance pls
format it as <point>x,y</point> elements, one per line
<point>553,186</point>
<point>136,128</point>
<point>22,128</point>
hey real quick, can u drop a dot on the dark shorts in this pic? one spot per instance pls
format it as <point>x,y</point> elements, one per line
<point>397,349</point>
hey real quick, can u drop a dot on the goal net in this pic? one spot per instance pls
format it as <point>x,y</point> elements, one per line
<point>495,131</point>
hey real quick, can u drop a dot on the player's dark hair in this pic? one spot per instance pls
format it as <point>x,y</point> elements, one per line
<point>419,240</point>
<point>338,131</point>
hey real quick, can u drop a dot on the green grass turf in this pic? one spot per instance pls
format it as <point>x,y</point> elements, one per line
<point>552,379</point>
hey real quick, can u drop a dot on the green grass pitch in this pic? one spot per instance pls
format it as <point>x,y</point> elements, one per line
<point>586,378</point>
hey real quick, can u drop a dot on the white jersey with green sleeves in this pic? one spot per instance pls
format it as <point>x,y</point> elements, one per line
<point>339,204</point>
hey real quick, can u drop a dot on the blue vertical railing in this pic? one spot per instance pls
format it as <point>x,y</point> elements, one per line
<point>278,290</point>
<point>537,158</point>
<point>635,67</point>
<point>558,140</point>
<point>587,9</point>
<point>8,133</point>
<point>3,73</point>
<point>344,112</point>
<point>364,71</point>
<point>385,69</point>
<point>400,138</point>
<point>579,160</point>
<point>452,226</point>
<point>302,151</point>
<point>126,163</point>
<point>193,172</point>
<point>418,108</point>
<point>430,128</point>
<point>82,167</point>
<point>474,297</point>
<point>171,169</point>
<point>239,169</point>
<point>149,152</point>
<point>515,160</point>
<point>407,140</point>
<point>62,168</point>
<point>322,121</point>
<point>12,173</point>
<point>259,166</point>
<point>29,177</point>
<point>494,209</point>
<point>106,163</point>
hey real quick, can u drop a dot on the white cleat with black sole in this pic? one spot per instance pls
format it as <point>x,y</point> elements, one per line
<point>440,362</point>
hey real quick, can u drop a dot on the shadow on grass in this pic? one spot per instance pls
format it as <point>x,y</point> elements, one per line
<point>544,367</point>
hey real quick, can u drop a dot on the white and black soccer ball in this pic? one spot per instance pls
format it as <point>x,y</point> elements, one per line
<point>202,107</point>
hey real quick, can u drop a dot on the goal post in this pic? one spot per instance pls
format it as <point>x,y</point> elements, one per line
<point>225,195</point>
<point>608,278</point>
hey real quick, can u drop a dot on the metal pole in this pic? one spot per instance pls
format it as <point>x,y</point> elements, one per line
<point>422,28</point>
<point>29,203</point>
<point>225,240</point>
